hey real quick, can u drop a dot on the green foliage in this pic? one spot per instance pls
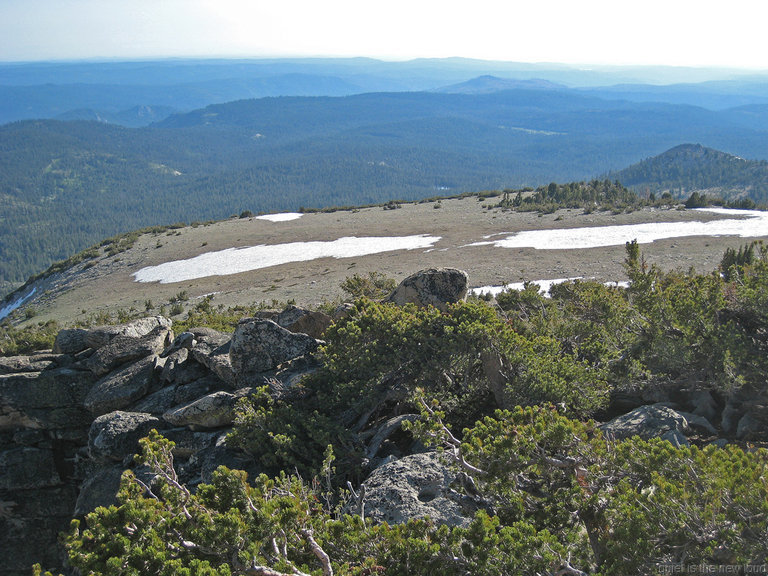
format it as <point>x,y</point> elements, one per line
<point>467,357</point>
<point>275,526</point>
<point>374,286</point>
<point>559,497</point>
<point>701,330</point>
<point>289,435</point>
<point>223,319</point>
<point>696,200</point>
<point>623,507</point>
<point>691,167</point>
<point>17,341</point>
<point>733,262</point>
<point>605,195</point>
<point>693,328</point>
<point>566,499</point>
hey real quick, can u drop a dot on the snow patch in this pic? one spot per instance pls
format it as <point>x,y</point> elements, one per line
<point>754,224</point>
<point>8,308</point>
<point>282,217</point>
<point>544,286</point>
<point>236,260</point>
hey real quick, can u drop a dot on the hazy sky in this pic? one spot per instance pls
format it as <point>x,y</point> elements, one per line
<point>675,32</point>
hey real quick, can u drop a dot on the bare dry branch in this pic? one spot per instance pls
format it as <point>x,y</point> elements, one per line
<point>319,553</point>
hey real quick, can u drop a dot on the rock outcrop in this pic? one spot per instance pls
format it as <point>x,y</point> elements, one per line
<point>436,287</point>
<point>70,420</point>
<point>259,346</point>
<point>646,422</point>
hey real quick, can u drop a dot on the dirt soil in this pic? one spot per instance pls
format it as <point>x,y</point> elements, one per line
<point>107,284</point>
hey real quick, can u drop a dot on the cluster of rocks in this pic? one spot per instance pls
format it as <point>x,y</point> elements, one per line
<point>71,418</point>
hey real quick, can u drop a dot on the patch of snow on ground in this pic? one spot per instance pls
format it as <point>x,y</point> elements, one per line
<point>754,224</point>
<point>236,260</point>
<point>283,217</point>
<point>544,286</point>
<point>8,308</point>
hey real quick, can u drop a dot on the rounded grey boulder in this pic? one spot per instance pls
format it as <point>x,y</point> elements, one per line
<point>436,287</point>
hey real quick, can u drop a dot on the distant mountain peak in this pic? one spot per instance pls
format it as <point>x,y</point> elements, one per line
<point>689,168</point>
<point>487,84</point>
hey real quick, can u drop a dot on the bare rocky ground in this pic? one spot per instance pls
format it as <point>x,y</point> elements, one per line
<point>106,284</point>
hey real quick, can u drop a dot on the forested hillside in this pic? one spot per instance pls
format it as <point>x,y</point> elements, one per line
<point>67,185</point>
<point>690,168</point>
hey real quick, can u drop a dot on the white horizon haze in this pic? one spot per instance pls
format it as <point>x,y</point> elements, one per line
<point>590,32</point>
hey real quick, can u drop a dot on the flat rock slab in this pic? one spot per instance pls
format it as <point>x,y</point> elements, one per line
<point>16,364</point>
<point>102,335</point>
<point>122,349</point>
<point>27,468</point>
<point>299,320</point>
<point>211,411</point>
<point>51,399</point>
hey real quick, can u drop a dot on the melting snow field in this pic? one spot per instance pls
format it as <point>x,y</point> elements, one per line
<point>7,309</point>
<point>282,217</point>
<point>755,224</point>
<point>544,286</point>
<point>236,260</point>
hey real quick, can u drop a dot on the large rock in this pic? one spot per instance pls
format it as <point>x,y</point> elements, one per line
<point>44,400</point>
<point>415,486</point>
<point>101,486</point>
<point>180,368</point>
<point>99,489</point>
<point>158,402</point>
<point>36,363</point>
<point>436,287</point>
<point>754,424</point>
<point>25,468</point>
<point>189,442</point>
<point>652,421</point>
<point>184,341</point>
<point>203,464</point>
<point>122,349</point>
<point>303,321</point>
<point>211,411</point>
<point>703,404</point>
<point>121,388</point>
<point>103,335</point>
<point>261,345</point>
<point>30,524</point>
<point>71,341</point>
<point>211,349</point>
<point>116,435</point>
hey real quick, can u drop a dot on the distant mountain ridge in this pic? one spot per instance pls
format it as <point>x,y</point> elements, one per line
<point>51,89</point>
<point>487,84</point>
<point>690,168</point>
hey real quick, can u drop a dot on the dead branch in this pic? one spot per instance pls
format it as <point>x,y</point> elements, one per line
<point>318,552</point>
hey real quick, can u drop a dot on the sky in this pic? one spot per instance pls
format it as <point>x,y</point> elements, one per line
<point>651,32</point>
